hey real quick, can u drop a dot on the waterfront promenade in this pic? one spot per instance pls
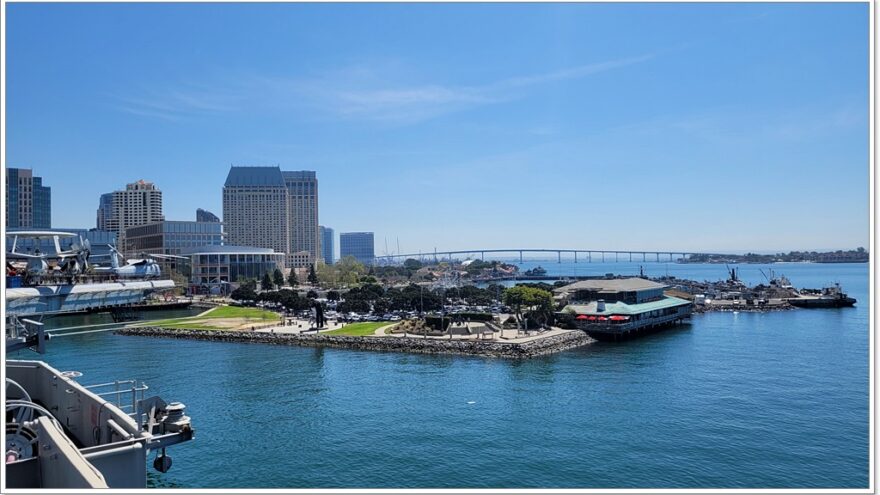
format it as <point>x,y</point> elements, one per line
<point>300,326</point>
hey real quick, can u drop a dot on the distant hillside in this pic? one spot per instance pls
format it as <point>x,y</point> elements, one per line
<point>852,256</point>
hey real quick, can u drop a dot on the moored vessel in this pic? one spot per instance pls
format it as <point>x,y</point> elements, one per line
<point>828,297</point>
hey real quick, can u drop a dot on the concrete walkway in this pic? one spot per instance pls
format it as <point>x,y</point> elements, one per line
<point>299,325</point>
<point>380,332</point>
<point>508,336</point>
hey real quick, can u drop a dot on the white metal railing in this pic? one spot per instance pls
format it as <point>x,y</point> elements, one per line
<point>122,390</point>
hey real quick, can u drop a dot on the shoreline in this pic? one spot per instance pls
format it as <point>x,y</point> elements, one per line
<point>494,349</point>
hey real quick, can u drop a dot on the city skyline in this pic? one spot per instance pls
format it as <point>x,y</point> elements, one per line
<point>526,134</point>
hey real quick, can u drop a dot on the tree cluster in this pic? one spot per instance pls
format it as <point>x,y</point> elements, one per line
<point>288,299</point>
<point>372,297</point>
<point>530,304</point>
<point>345,272</point>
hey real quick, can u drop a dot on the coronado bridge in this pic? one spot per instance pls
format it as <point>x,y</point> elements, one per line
<point>576,255</point>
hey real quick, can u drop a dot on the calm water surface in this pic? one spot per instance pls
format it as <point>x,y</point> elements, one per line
<point>729,401</point>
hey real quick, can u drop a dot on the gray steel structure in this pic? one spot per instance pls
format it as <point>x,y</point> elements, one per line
<point>657,256</point>
<point>61,434</point>
<point>100,240</point>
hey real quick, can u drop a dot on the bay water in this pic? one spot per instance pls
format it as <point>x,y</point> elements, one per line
<point>730,400</point>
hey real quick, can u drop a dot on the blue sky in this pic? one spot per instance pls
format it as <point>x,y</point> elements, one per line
<point>715,127</point>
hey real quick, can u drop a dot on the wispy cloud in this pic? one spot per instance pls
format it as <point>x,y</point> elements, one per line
<point>361,98</point>
<point>568,73</point>
<point>186,100</point>
<point>356,93</point>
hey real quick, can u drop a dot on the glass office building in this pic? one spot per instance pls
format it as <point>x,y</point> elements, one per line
<point>28,201</point>
<point>171,237</point>
<point>206,216</point>
<point>327,244</point>
<point>357,244</point>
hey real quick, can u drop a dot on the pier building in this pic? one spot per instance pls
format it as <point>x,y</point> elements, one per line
<point>617,309</point>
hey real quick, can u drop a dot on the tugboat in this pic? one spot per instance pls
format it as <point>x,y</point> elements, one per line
<point>828,297</point>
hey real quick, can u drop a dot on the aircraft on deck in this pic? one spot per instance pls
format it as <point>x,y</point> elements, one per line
<point>142,268</point>
<point>56,261</point>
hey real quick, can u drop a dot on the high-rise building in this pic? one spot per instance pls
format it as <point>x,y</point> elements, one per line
<point>105,210</point>
<point>139,204</point>
<point>255,208</point>
<point>28,201</point>
<point>302,189</point>
<point>327,244</point>
<point>357,244</point>
<point>267,208</point>
<point>206,216</point>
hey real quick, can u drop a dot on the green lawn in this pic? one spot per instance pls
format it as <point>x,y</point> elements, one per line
<point>184,325</point>
<point>358,329</point>
<point>242,312</point>
<point>202,321</point>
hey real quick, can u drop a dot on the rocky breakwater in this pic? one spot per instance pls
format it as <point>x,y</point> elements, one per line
<point>487,348</point>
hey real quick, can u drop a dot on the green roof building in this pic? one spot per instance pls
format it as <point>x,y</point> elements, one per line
<point>616,309</point>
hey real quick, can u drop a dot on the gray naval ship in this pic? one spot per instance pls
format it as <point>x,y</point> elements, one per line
<point>62,432</point>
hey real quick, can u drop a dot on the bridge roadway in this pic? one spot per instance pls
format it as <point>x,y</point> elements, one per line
<point>441,255</point>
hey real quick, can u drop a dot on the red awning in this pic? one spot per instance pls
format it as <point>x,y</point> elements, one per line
<point>618,318</point>
<point>602,318</point>
<point>591,318</point>
<point>581,317</point>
